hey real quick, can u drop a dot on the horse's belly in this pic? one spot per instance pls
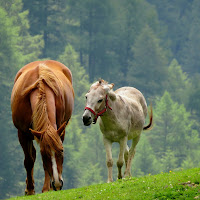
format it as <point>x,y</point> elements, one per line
<point>114,136</point>
<point>113,131</point>
<point>134,134</point>
<point>21,114</point>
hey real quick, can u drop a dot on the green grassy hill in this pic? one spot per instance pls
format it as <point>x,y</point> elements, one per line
<point>173,185</point>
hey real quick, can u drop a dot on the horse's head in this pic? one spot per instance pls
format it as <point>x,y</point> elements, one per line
<point>51,149</point>
<point>97,101</point>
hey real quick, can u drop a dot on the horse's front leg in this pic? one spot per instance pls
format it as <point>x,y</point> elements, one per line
<point>109,160</point>
<point>47,184</point>
<point>120,162</point>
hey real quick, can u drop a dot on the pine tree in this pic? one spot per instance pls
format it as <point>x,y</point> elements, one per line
<point>175,20</point>
<point>190,54</point>
<point>72,146</point>
<point>173,132</point>
<point>178,83</point>
<point>47,18</point>
<point>70,58</point>
<point>27,47</point>
<point>92,152</point>
<point>145,161</point>
<point>193,94</point>
<point>168,161</point>
<point>148,71</point>
<point>8,59</point>
<point>95,36</point>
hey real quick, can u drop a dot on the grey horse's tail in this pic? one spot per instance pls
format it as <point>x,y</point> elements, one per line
<point>150,125</point>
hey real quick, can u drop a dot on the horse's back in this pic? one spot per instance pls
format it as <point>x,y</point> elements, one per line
<point>52,64</point>
<point>134,95</point>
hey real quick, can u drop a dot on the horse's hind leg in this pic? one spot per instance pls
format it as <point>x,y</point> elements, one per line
<point>30,156</point>
<point>131,155</point>
<point>126,155</point>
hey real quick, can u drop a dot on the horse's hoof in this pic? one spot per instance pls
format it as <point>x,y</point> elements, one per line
<point>109,180</point>
<point>127,175</point>
<point>29,192</point>
<point>119,177</point>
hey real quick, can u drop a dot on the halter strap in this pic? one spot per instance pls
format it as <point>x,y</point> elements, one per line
<point>99,113</point>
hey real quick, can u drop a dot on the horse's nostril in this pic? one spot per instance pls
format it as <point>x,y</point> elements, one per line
<point>53,186</point>
<point>61,182</point>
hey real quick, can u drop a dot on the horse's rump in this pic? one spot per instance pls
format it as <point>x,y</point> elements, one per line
<point>134,94</point>
<point>30,80</point>
<point>35,77</point>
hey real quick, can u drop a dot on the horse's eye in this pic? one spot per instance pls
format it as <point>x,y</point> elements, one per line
<point>86,97</point>
<point>100,100</point>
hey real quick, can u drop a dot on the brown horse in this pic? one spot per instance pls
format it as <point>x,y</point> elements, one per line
<point>42,101</point>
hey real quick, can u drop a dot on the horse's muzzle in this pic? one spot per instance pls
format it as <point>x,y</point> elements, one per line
<point>87,120</point>
<point>57,188</point>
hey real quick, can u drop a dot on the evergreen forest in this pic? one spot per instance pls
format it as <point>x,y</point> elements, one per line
<point>151,45</point>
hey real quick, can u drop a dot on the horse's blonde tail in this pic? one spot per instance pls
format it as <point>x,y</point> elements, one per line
<point>40,116</point>
<point>150,125</point>
<point>46,75</point>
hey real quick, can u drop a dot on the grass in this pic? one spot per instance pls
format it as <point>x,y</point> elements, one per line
<point>173,185</point>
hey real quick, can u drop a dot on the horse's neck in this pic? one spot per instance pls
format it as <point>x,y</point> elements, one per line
<point>110,115</point>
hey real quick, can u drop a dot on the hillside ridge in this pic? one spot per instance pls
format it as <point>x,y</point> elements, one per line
<point>183,184</point>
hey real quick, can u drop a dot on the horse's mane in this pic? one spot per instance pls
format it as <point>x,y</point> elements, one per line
<point>98,83</point>
<point>102,82</point>
<point>40,121</point>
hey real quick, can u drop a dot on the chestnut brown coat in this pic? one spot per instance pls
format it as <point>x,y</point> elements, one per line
<point>42,102</point>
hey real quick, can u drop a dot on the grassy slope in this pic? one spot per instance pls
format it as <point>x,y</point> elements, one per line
<point>173,185</point>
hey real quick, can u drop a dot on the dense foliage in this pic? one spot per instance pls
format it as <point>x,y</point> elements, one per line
<point>148,44</point>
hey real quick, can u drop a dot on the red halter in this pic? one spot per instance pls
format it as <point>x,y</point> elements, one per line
<point>99,113</point>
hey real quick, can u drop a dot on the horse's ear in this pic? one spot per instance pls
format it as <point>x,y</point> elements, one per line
<point>37,134</point>
<point>109,90</point>
<point>111,85</point>
<point>61,129</point>
<point>108,87</point>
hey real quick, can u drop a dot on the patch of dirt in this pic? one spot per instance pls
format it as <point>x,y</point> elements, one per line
<point>189,184</point>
